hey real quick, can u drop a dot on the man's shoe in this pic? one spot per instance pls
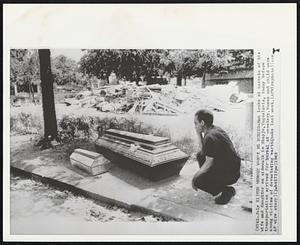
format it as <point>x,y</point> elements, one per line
<point>225,196</point>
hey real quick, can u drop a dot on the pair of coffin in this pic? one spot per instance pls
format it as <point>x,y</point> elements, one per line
<point>149,156</point>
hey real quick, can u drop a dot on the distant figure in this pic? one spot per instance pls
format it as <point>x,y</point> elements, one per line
<point>218,161</point>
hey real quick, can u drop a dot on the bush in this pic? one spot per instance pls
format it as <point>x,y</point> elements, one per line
<point>24,123</point>
<point>70,128</point>
<point>242,142</point>
<point>90,128</point>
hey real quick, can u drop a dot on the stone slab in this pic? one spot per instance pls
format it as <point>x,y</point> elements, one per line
<point>176,210</point>
<point>115,189</point>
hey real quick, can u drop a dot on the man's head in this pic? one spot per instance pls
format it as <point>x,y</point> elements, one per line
<point>203,120</point>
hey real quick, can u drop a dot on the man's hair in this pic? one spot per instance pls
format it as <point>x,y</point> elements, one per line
<point>206,116</point>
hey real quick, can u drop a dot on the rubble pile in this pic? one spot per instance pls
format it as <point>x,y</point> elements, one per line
<point>154,99</point>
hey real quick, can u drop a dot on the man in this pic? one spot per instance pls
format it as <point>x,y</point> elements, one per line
<point>218,161</point>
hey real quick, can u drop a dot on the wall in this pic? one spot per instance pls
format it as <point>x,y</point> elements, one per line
<point>244,85</point>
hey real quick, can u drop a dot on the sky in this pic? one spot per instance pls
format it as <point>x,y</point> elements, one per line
<point>74,54</point>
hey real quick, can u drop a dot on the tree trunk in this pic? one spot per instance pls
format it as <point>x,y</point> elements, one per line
<point>169,79</point>
<point>179,79</point>
<point>16,89</point>
<point>203,78</point>
<point>50,126</point>
<point>31,91</point>
<point>38,89</point>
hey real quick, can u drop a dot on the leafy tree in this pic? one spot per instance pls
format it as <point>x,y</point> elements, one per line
<point>212,61</point>
<point>99,63</point>
<point>243,59</point>
<point>216,61</point>
<point>130,64</point>
<point>179,62</point>
<point>17,57</point>
<point>133,63</point>
<point>24,68</point>
<point>64,70</point>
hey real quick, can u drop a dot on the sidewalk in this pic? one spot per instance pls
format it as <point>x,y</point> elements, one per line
<point>173,197</point>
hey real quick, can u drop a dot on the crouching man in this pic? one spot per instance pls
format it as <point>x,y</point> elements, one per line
<point>218,161</point>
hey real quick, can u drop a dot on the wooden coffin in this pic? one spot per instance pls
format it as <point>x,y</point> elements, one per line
<point>90,162</point>
<point>150,156</point>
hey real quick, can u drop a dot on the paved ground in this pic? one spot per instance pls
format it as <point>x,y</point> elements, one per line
<point>173,197</point>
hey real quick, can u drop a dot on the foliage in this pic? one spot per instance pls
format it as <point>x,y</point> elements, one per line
<point>24,66</point>
<point>213,60</point>
<point>70,128</point>
<point>24,123</point>
<point>133,63</point>
<point>65,71</point>
<point>99,63</point>
<point>129,64</point>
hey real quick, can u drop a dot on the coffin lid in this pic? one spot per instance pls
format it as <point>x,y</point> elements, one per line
<point>148,139</point>
<point>88,158</point>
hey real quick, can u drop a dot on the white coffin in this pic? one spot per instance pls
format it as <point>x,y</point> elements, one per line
<point>90,162</point>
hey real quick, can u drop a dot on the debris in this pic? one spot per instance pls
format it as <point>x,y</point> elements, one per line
<point>150,218</point>
<point>238,97</point>
<point>247,208</point>
<point>157,99</point>
<point>107,107</point>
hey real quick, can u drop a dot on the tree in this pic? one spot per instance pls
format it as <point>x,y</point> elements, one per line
<point>214,60</point>
<point>99,62</point>
<point>64,70</point>
<point>243,59</point>
<point>24,68</point>
<point>181,61</point>
<point>130,64</point>
<point>222,60</point>
<point>50,125</point>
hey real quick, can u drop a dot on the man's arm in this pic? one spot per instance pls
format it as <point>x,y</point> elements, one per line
<point>200,140</point>
<point>204,169</point>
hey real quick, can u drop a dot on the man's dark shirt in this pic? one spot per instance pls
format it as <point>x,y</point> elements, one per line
<point>217,144</point>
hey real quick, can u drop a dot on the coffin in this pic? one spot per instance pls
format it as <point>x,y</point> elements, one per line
<point>149,156</point>
<point>90,162</point>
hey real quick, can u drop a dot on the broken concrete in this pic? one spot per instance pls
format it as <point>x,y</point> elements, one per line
<point>154,99</point>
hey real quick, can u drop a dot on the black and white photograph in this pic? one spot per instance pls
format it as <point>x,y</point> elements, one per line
<point>149,122</point>
<point>131,135</point>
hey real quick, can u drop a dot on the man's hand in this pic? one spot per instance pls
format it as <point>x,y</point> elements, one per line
<point>200,139</point>
<point>207,165</point>
<point>194,180</point>
<point>204,169</point>
<point>193,184</point>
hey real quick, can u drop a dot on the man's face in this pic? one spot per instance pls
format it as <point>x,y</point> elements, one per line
<point>198,125</point>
